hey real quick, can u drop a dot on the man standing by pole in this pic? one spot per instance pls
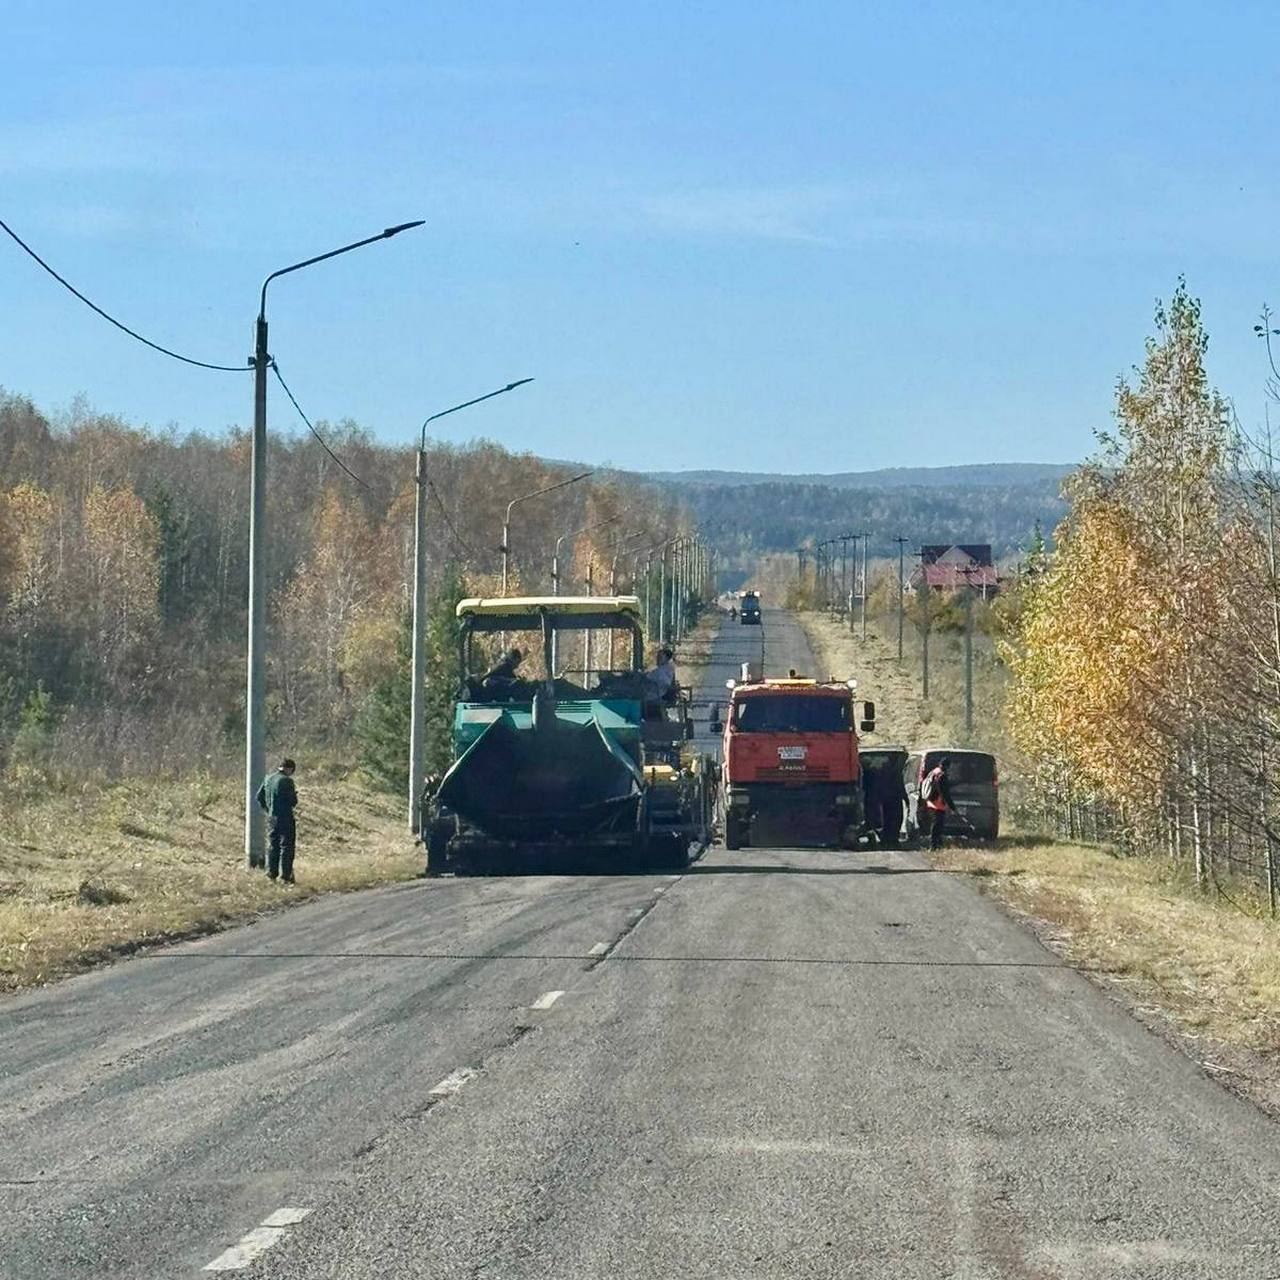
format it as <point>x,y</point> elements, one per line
<point>256,681</point>
<point>278,798</point>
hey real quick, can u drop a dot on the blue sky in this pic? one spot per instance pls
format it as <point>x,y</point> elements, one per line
<point>792,237</point>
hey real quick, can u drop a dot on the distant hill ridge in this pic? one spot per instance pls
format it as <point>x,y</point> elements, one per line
<point>983,475</point>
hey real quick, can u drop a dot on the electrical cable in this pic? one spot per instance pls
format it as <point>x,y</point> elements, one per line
<point>275,368</point>
<point>93,306</point>
<point>457,537</point>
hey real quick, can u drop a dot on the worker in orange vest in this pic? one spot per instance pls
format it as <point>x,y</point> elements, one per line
<point>935,791</point>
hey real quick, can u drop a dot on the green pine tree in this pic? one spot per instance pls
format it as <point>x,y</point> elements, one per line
<point>382,723</point>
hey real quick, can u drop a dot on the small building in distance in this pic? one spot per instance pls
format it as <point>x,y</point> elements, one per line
<point>948,568</point>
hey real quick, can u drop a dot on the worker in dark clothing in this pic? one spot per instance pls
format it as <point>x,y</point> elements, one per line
<point>872,795</point>
<point>278,797</point>
<point>893,804</point>
<point>936,789</point>
<point>503,675</point>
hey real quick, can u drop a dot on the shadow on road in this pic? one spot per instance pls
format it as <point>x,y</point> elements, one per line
<point>747,869</point>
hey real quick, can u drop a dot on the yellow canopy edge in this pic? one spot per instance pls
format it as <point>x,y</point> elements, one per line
<point>531,606</point>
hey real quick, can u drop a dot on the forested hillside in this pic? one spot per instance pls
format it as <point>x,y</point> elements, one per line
<point>748,520</point>
<point>123,581</point>
<point>980,475</point>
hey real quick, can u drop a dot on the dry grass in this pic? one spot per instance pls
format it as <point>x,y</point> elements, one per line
<point>902,716</point>
<point>92,871</point>
<point>1213,969</point>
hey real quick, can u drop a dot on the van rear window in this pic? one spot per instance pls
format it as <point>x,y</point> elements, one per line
<point>966,768</point>
<point>780,713</point>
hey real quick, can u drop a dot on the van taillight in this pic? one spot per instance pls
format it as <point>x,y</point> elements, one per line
<point>995,774</point>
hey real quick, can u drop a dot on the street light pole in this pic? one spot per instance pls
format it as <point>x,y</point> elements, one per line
<point>662,591</point>
<point>255,752</point>
<point>515,502</point>
<point>866,538</point>
<point>418,665</point>
<point>902,590</point>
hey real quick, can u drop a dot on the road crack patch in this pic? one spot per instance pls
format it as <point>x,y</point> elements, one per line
<point>637,915</point>
<point>448,1088</point>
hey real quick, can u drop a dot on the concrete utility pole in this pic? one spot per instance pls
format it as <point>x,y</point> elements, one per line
<point>663,615</point>
<point>902,590</point>
<point>679,586</point>
<point>844,572</point>
<point>648,594</point>
<point>968,657</point>
<point>851,593</point>
<point>417,710</point>
<point>555,555</point>
<point>515,502</point>
<point>924,628</point>
<point>866,538</point>
<point>255,741</point>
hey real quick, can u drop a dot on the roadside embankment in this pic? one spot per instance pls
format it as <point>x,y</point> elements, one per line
<point>89,872</point>
<point>902,715</point>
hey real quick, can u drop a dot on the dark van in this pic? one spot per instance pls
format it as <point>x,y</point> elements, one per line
<point>975,790</point>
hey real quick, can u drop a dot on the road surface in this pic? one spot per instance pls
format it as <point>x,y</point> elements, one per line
<point>782,1063</point>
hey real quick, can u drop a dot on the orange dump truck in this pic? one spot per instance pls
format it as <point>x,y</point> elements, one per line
<point>791,774</point>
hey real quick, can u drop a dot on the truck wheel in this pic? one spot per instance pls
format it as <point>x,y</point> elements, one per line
<point>438,849</point>
<point>734,836</point>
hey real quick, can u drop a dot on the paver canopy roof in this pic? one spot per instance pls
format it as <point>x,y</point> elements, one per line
<point>532,606</point>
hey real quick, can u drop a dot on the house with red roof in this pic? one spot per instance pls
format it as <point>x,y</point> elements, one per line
<point>948,568</point>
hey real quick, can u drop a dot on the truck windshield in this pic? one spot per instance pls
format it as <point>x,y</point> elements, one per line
<point>784,713</point>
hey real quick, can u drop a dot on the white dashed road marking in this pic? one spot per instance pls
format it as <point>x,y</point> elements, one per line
<point>599,949</point>
<point>547,1000</point>
<point>255,1243</point>
<point>453,1082</point>
<point>285,1218</point>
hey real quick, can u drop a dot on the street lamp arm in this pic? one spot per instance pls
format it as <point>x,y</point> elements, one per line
<point>466,404</point>
<point>333,253</point>
<point>585,529</point>
<point>551,488</point>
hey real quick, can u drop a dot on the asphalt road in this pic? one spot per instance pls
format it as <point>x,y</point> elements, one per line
<point>781,1063</point>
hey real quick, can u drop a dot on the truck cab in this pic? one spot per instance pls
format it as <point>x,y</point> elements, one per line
<point>791,773</point>
<point>749,609</point>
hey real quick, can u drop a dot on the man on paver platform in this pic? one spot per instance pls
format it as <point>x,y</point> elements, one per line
<point>278,796</point>
<point>660,684</point>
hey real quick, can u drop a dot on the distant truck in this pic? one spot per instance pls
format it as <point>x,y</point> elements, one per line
<point>749,609</point>
<point>791,773</point>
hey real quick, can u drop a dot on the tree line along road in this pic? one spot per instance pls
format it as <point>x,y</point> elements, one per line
<point>781,1063</point>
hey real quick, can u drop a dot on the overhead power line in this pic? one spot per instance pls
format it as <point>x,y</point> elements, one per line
<point>324,444</point>
<point>444,512</point>
<point>124,328</point>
